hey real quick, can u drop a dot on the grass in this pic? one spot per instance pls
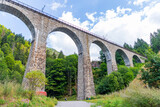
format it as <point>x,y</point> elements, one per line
<point>13,95</point>
<point>136,95</point>
<point>69,98</point>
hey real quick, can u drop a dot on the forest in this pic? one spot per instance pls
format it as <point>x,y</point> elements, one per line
<point>61,70</point>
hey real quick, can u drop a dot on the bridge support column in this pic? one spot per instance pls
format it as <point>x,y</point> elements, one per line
<point>88,77</point>
<point>37,57</point>
<point>130,57</point>
<point>114,63</point>
<point>86,87</point>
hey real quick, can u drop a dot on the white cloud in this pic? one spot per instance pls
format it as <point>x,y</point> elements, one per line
<point>68,17</point>
<point>123,10</point>
<point>140,2</point>
<point>61,41</point>
<point>129,27</point>
<point>94,52</point>
<point>119,26</point>
<point>56,5</point>
<point>91,17</point>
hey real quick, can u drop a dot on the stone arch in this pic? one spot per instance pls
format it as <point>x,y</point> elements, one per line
<point>107,54</point>
<point>137,59</point>
<point>81,81</point>
<point>72,35</point>
<point>124,56</point>
<point>20,15</point>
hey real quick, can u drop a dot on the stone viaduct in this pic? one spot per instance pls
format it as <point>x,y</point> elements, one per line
<point>42,24</point>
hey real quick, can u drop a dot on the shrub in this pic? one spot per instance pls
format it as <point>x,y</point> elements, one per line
<point>151,73</point>
<point>128,77</point>
<point>127,74</point>
<point>36,79</point>
<point>119,79</point>
<point>108,84</point>
<point>2,101</point>
<point>134,70</point>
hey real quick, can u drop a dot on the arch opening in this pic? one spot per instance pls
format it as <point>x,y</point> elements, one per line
<point>121,58</point>
<point>105,56</point>
<point>136,60</point>
<point>69,66</point>
<point>19,15</point>
<point>18,42</point>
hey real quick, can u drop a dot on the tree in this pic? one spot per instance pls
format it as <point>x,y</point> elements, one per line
<point>108,84</point>
<point>151,73</point>
<point>127,46</point>
<point>140,46</point>
<point>119,79</point>
<point>119,59</point>
<point>6,49</point>
<point>19,67</point>
<point>61,55</point>
<point>10,61</point>
<point>54,55</point>
<point>55,73</point>
<point>127,74</point>
<point>155,38</point>
<point>36,79</point>
<point>71,71</point>
<point>102,56</point>
<point>3,67</point>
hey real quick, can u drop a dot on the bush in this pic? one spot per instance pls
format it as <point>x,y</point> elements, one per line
<point>119,79</point>
<point>36,79</point>
<point>134,70</point>
<point>108,84</point>
<point>128,77</point>
<point>151,73</point>
<point>2,101</point>
<point>127,74</point>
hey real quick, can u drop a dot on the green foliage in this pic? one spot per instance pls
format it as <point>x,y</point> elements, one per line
<point>3,67</point>
<point>128,77</point>
<point>119,59</point>
<point>116,80</point>
<point>10,61</point>
<point>55,74</point>
<point>155,38</point>
<point>127,46</point>
<point>1,54</point>
<point>61,55</point>
<point>71,72</point>
<point>16,96</point>
<point>6,49</point>
<point>102,56</point>
<point>143,98</point>
<point>108,84</point>
<point>151,73</point>
<point>119,79</point>
<point>135,70</point>
<point>2,101</point>
<point>36,79</point>
<point>140,46</point>
<point>127,74</point>
<point>100,73</point>
<point>13,55</point>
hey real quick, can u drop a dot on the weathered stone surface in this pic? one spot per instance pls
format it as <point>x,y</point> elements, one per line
<point>41,26</point>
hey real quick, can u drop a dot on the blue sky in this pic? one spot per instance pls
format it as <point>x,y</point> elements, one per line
<point>116,20</point>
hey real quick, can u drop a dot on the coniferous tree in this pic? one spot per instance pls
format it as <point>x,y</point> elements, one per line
<point>61,55</point>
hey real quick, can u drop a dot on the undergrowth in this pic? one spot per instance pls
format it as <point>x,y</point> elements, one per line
<point>13,95</point>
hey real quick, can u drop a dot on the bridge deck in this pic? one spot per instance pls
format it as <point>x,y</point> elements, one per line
<point>19,3</point>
